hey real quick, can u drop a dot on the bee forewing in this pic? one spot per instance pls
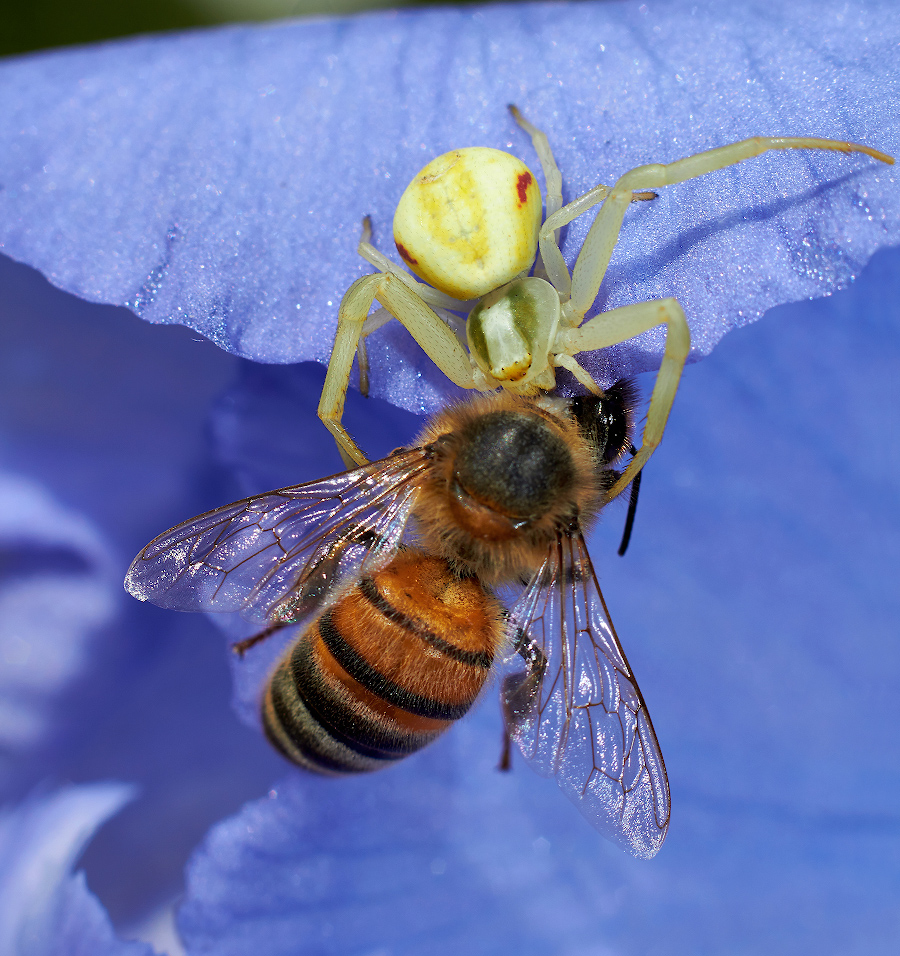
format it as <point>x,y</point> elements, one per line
<point>251,555</point>
<point>575,709</point>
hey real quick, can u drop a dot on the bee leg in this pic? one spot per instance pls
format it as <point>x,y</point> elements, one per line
<point>241,647</point>
<point>505,764</point>
<point>319,579</point>
<point>520,691</point>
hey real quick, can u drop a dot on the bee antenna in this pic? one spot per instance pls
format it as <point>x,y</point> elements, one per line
<point>632,509</point>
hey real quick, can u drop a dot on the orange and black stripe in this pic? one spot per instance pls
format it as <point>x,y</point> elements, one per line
<point>385,670</point>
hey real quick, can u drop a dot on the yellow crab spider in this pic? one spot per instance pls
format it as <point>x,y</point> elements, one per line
<point>469,225</point>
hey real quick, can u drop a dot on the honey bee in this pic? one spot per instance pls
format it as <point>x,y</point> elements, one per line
<point>425,573</point>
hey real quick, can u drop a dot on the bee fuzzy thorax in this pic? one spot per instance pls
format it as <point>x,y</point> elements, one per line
<point>508,474</point>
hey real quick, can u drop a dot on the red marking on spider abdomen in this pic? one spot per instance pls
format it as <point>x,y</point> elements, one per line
<point>523,181</point>
<point>405,254</point>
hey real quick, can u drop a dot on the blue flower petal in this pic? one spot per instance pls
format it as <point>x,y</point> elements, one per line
<point>441,855</point>
<point>58,589</point>
<point>218,179</point>
<point>44,909</point>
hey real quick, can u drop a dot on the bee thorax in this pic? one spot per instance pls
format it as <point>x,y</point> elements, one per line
<point>508,477</point>
<point>513,464</point>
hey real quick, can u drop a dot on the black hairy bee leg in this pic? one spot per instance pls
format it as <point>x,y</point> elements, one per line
<point>519,692</point>
<point>321,576</point>
<point>632,509</point>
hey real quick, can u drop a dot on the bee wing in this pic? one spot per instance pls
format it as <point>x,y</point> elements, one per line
<point>574,708</point>
<point>275,557</point>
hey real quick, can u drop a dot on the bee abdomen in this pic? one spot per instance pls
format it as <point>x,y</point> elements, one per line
<point>384,671</point>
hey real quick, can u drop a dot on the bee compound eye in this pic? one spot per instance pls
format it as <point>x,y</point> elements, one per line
<point>605,420</point>
<point>469,221</point>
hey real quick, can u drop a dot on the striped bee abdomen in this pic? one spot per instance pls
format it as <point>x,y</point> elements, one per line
<point>386,669</point>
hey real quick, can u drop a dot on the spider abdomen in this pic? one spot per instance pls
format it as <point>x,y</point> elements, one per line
<point>469,221</point>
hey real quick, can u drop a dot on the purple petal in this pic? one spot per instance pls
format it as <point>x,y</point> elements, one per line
<point>218,179</point>
<point>102,426</point>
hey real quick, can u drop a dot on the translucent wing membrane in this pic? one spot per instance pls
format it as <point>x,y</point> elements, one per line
<point>278,556</point>
<point>574,707</point>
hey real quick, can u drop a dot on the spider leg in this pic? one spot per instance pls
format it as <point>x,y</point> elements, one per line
<point>372,324</point>
<point>437,340</point>
<point>552,175</point>
<point>562,360</point>
<point>603,235</point>
<point>434,297</point>
<point>619,325</point>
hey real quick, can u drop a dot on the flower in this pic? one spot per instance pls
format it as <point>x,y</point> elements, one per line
<point>217,179</point>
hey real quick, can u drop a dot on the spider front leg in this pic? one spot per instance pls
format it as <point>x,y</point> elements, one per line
<point>437,340</point>
<point>593,260</point>
<point>619,325</point>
